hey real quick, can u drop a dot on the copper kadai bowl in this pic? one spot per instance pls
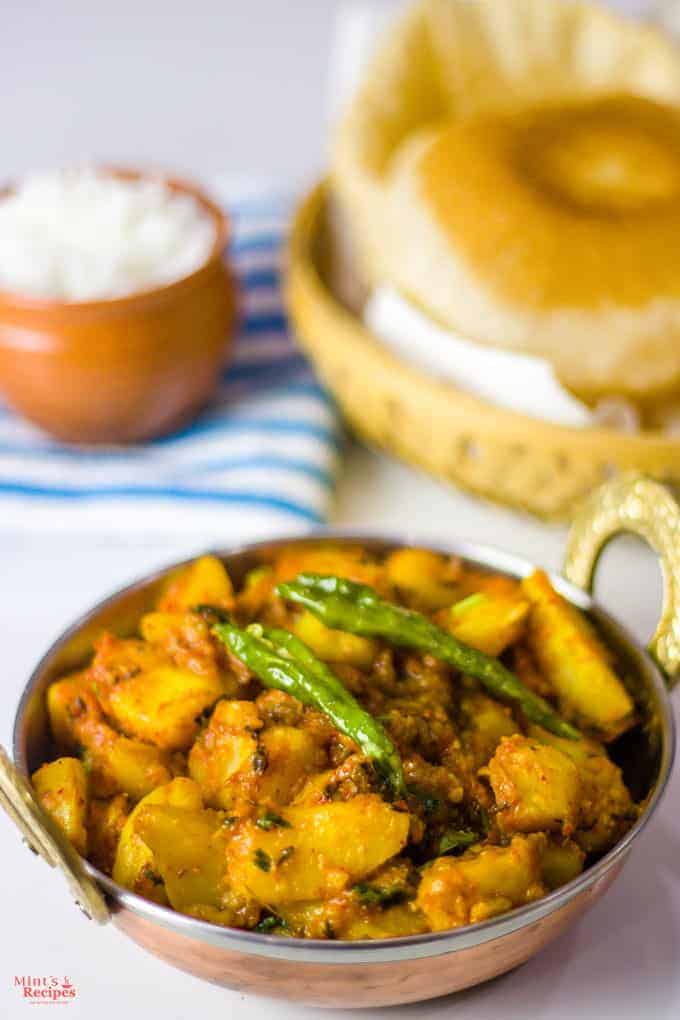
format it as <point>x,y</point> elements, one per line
<point>400,970</point>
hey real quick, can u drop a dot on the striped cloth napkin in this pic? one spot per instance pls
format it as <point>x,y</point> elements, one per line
<point>260,460</point>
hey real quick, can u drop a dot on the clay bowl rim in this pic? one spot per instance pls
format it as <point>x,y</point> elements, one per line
<point>57,307</point>
<point>406,947</point>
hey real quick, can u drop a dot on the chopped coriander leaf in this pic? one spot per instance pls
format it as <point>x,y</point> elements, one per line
<point>262,859</point>
<point>152,875</point>
<point>271,923</point>
<point>454,840</point>
<point>270,820</point>
<point>372,896</point>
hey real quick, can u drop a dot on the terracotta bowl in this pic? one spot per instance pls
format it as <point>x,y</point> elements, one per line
<point>124,369</point>
<point>385,971</point>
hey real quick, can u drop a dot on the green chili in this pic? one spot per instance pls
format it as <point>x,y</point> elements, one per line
<point>358,609</point>
<point>281,660</point>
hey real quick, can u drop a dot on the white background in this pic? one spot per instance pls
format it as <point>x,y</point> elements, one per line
<point>202,86</point>
<point>237,86</point>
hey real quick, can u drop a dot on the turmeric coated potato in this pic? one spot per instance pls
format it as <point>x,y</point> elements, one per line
<point>427,579</point>
<point>327,558</point>
<point>184,638</point>
<point>482,883</point>
<point>61,787</point>
<point>105,822</point>
<point>238,761</point>
<point>334,645</point>
<point>537,787</point>
<point>114,763</point>
<point>134,865</point>
<point>267,799</point>
<point>149,697</point>
<point>606,809</point>
<point>561,862</point>
<point>485,723</point>
<point>224,751</point>
<point>188,848</point>
<point>490,622</point>
<point>204,582</point>
<point>316,851</point>
<point>381,906</point>
<point>575,663</point>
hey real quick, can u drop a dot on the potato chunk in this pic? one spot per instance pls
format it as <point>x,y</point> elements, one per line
<point>188,845</point>
<point>203,582</point>
<point>115,764</point>
<point>325,558</point>
<point>162,706</point>
<point>607,810</point>
<point>575,663</point>
<point>224,750</point>
<point>238,762</point>
<point>536,787</point>
<point>382,906</point>
<point>485,722</point>
<point>334,645</point>
<point>425,578</point>
<point>64,710</point>
<point>188,848</point>
<point>134,865</point>
<point>61,787</point>
<point>561,862</point>
<point>186,640</point>
<point>149,697</point>
<point>490,622</point>
<point>105,822</point>
<point>482,883</point>
<point>317,851</point>
<point>291,755</point>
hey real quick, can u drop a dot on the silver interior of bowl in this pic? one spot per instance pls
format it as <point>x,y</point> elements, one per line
<point>645,754</point>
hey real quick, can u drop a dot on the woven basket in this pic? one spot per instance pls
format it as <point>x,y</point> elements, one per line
<point>499,454</point>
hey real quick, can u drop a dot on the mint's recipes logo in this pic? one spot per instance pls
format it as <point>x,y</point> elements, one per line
<point>45,990</point>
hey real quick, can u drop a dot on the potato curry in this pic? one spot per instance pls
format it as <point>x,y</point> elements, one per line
<point>345,746</point>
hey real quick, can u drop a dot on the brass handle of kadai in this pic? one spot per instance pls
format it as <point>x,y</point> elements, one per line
<point>44,837</point>
<point>632,503</point>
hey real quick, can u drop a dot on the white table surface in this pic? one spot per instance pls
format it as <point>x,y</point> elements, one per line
<point>620,961</point>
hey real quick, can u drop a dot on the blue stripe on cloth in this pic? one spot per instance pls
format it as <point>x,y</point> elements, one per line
<point>292,464</point>
<point>263,372</point>
<point>245,427</point>
<point>308,387</point>
<point>40,447</point>
<point>272,323</point>
<point>160,493</point>
<point>248,425</point>
<point>269,439</point>
<point>258,242</point>
<point>255,278</point>
<point>256,462</point>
